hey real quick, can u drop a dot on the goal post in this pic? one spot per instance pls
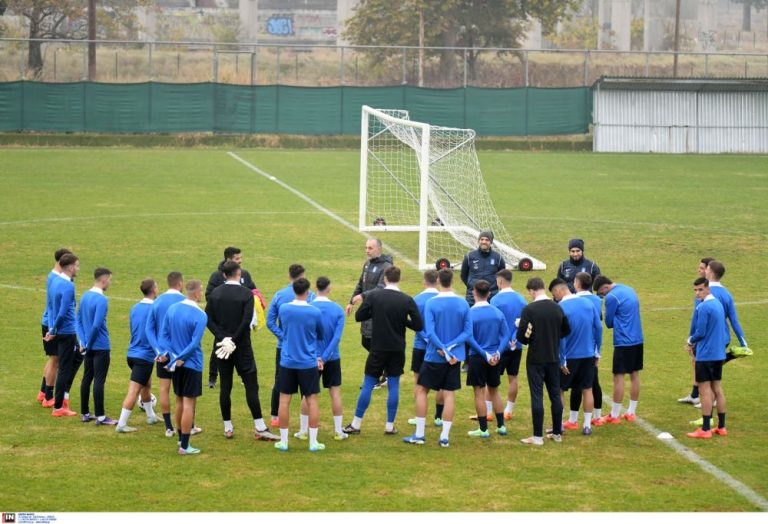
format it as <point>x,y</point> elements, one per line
<point>424,179</point>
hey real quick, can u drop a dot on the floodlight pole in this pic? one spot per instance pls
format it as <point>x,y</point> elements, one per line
<point>677,37</point>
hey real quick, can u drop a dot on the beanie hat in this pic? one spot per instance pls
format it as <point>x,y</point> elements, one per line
<point>576,243</point>
<point>486,234</point>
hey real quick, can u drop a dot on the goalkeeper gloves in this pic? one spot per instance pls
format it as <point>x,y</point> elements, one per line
<point>225,348</point>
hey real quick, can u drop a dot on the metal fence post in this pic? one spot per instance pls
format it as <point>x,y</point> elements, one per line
<point>706,64</point>
<point>151,71</point>
<point>277,61</point>
<point>405,66</point>
<point>341,67</point>
<point>54,63</point>
<point>525,60</point>
<point>586,68</point>
<point>465,69</point>
<point>115,65</point>
<point>647,63</point>
<point>215,72</point>
<point>253,67</point>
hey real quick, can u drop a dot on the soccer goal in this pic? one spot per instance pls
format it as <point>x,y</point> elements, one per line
<point>426,179</point>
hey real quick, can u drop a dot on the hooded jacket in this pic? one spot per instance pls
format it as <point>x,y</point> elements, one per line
<point>371,278</point>
<point>217,279</point>
<point>481,265</point>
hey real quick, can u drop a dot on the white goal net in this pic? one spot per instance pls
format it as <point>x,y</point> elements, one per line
<point>426,180</point>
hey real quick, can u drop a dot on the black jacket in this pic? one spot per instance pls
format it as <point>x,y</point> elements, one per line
<point>390,312</point>
<point>567,270</point>
<point>371,278</point>
<point>217,279</point>
<point>230,311</point>
<point>549,326</point>
<point>478,265</point>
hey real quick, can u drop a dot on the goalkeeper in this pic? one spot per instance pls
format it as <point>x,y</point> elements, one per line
<point>490,338</point>
<point>230,311</point>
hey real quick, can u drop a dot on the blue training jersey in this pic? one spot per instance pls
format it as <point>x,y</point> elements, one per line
<point>729,310</point>
<point>709,330</point>
<point>183,328</point>
<point>61,317</point>
<point>586,334</point>
<point>420,339</point>
<point>302,329</point>
<point>595,300</point>
<point>511,304</point>
<point>157,315</point>
<point>92,320</point>
<point>281,297</point>
<point>490,331</point>
<point>622,314</point>
<point>448,326</point>
<point>48,297</point>
<point>333,318</point>
<point>139,346</point>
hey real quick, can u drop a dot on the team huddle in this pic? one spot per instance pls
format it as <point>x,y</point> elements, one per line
<point>483,333</point>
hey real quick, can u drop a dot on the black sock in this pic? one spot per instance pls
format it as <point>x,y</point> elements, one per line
<point>438,411</point>
<point>167,420</point>
<point>695,391</point>
<point>707,423</point>
<point>184,440</point>
<point>500,419</point>
<point>483,420</point>
<point>42,385</point>
<point>48,392</point>
<point>721,420</point>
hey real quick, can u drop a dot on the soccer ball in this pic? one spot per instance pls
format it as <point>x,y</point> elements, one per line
<point>153,400</point>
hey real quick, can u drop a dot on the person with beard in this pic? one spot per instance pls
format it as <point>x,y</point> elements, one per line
<point>217,278</point>
<point>482,264</point>
<point>576,264</point>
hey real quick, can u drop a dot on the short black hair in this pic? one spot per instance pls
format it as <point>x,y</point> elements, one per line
<point>600,281</point>
<point>445,276</point>
<point>584,279</point>
<point>534,284</point>
<point>392,274</point>
<point>701,280</point>
<point>300,286</point>
<point>68,259</point>
<point>322,283</point>
<point>506,274</point>
<point>60,253</point>
<point>717,268</point>
<point>430,276</point>
<point>229,268</point>
<point>556,282</point>
<point>230,252</point>
<point>706,260</point>
<point>295,271</point>
<point>101,272</point>
<point>174,278</point>
<point>482,287</point>
<point>147,285</point>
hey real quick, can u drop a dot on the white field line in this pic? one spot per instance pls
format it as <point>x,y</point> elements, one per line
<point>736,485</point>
<point>690,307</point>
<point>318,206</point>
<point>41,290</point>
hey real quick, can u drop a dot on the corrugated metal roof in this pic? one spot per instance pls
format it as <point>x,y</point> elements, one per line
<point>680,84</point>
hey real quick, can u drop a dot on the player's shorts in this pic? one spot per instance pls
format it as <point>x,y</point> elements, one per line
<point>510,362</point>
<point>709,370</point>
<point>627,359</point>
<point>49,347</point>
<point>162,372</point>
<point>141,370</point>
<point>241,360</point>
<point>187,382</point>
<point>366,343</point>
<point>440,376</point>
<point>305,380</point>
<point>391,362</point>
<point>417,358</point>
<point>331,373</point>
<point>581,374</point>
<point>66,344</point>
<point>481,373</point>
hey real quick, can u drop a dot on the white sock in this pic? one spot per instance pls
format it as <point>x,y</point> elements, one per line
<point>587,420</point>
<point>259,424</point>
<point>357,422</point>
<point>632,407</point>
<point>446,430</point>
<point>573,417</point>
<point>337,423</point>
<point>615,409</point>
<point>149,410</point>
<point>488,407</point>
<point>421,422</point>
<point>598,413</point>
<point>284,435</point>
<point>538,440</point>
<point>510,407</point>
<point>389,426</point>
<point>303,423</point>
<point>312,436</point>
<point>124,414</point>
<point>228,426</point>
<point>66,395</point>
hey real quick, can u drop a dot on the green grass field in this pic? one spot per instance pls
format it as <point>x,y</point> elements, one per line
<point>144,212</point>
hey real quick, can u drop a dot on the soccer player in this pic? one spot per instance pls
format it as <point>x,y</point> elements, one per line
<point>714,273</point>
<point>153,329</point>
<point>62,329</point>
<point>390,311</point>
<point>372,277</point>
<point>576,263</point>
<point>481,264</point>
<point>94,344</point>
<point>52,360</point>
<point>420,343</point>
<point>542,325</point>
<point>578,351</point>
<point>333,326</point>
<point>709,341</point>
<point>183,328</point>
<point>622,314</point>
<point>301,329</point>
<point>217,278</point>
<point>141,357</point>
<point>448,327</point>
<point>511,304</point>
<point>583,284</point>
<point>230,311</point>
<point>283,296</point>
<point>693,397</point>
<point>489,340</point>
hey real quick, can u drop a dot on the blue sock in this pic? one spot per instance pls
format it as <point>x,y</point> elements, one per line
<point>365,395</point>
<point>393,398</point>
<point>167,420</point>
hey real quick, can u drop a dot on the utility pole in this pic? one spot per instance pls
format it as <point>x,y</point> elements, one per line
<point>421,45</point>
<point>677,36</point>
<point>92,38</point>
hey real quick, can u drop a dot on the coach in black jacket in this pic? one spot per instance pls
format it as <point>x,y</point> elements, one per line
<point>390,311</point>
<point>230,311</point>
<point>542,325</point>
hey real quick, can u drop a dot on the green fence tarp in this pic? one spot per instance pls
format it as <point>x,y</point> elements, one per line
<point>225,108</point>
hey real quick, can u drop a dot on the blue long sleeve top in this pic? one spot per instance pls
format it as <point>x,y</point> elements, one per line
<point>448,326</point>
<point>586,334</point>
<point>333,318</point>
<point>139,346</point>
<point>92,320</point>
<point>157,315</point>
<point>61,317</point>
<point>420,339</point>
<point>511,304</point>
<point>302,329</point>
<point>622,314</point>
<point>709,330</point>
<point>183,328</point>
<point>283,296</point>
<point>490,331</point>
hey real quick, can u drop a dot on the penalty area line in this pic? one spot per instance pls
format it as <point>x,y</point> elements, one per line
<point>318,206</point>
